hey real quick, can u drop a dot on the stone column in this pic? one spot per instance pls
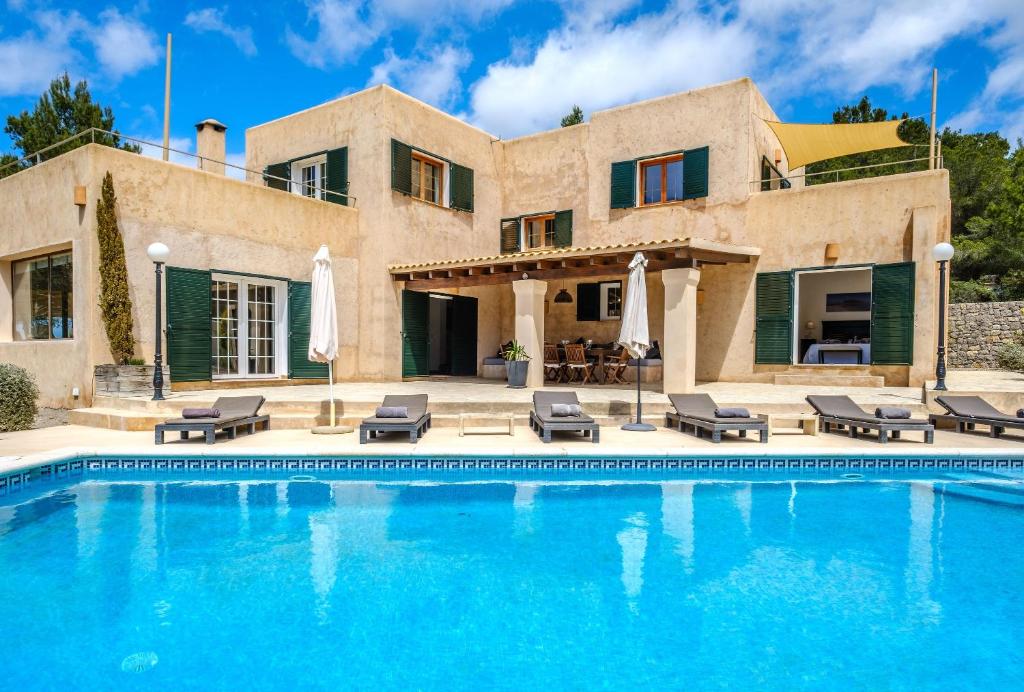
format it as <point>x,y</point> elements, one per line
<point>679,347</point>
<point>530,325</point>
<point>925,233</point>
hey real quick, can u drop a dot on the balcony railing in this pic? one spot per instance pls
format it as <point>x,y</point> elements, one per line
<point>95,135</point>
<point>841,174</point>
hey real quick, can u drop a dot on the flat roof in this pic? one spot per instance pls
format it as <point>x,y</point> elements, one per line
<point>558,263</point>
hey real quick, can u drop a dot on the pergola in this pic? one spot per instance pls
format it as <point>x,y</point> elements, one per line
<point>679,262</point>
<point>564,263</point>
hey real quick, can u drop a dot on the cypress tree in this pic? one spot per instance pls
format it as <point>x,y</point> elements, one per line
<point>115,302</point>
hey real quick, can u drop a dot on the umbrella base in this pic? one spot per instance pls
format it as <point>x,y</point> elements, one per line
<point>331,429</point>
<point>639,427</point>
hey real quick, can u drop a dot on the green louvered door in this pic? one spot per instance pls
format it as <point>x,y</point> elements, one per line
<point>461,190</point>
<point>415,334</point>
<point>189,340</point>
<point>774,343</point>
<point>623,192</point>
<point>336,183</point>
<point>563,228</point>
<point>463,335</point>
<point>401,167</point>
<point>509,236</point>
<point>299,365</point>
<point>892,314</point>
<point>695,173</point>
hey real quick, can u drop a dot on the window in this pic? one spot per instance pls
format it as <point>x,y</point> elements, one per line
<point>311,177</point>
<point>43,297</point>
<point>611,300</point>
<point>248,326</point>
<point>427,177</point>
<point>539,231</point>
<point>661,180</point>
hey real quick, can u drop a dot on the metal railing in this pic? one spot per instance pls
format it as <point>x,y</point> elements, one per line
<point>108,138</point>
<point>757,184</point>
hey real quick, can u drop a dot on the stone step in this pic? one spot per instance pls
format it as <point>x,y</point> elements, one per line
<point>825,379</point>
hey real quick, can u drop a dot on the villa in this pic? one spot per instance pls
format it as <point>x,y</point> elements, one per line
<point>448,242</point>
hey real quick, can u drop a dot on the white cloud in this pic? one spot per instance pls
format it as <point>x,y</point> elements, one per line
<point>30,61</point>
<point>439,11</point>
<point>124,45</point>
<point>343,32</point>
<point>211,19</point>
<point>434,79</point>
<point>599,64</point>
<point>155,149</point>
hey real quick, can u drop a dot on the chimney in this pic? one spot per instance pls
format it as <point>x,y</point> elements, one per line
<point>210,145</point>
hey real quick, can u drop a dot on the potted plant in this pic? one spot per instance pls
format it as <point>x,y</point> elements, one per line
<point>517,363</point>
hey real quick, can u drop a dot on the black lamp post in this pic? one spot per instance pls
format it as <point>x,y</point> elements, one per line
<point>158,253</point>
<point>943,252</point>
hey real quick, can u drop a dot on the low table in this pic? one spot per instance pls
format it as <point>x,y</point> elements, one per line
<point>808,421</point>
<point>486,430</point>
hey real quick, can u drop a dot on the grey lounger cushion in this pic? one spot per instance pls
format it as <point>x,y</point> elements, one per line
<point>703,407</point>
<point>974,407</point>
<point>415,404</point>
<point>542,402</point>
<point>841,406</point>
<point>231,408</point>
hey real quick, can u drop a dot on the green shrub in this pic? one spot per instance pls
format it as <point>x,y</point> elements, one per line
<point>18,394</point>
<point>1011,286</point>
<point>970,292</point>
<point>115,302</point>
<point>1011,355</point>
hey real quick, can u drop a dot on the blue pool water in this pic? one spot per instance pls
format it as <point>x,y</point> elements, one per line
<point>119,583</point>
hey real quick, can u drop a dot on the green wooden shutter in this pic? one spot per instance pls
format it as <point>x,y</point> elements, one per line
<point>278,170</point>
<point>892,314</point>
<point>509,236</point>
<point>299,364</point>
<point>623,184</point>
<point>774,318</point>
<point>464,335</point>
<point>588,302</point>
<point>401,167</point>
<point>563,228</point>
<point>189,341</point>
<point>415,334</point>
<point>695,173</point>
<point>461,188</point>
<point>337,176</point>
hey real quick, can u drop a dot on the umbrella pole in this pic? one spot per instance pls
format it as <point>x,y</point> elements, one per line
<point>639,425</point>
<point>330,389</point>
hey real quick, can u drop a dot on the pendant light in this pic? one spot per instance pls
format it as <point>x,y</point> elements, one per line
<point>563,296</point>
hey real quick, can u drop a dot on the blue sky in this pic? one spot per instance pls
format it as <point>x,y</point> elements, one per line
<point>515,67</point>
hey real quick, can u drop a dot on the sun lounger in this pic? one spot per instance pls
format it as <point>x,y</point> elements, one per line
<point>543,423</point>
<point>415,424</point>
<point>235,412</point>
<point>842,412</point>
<point>968,411</point>
<point>698,411</point>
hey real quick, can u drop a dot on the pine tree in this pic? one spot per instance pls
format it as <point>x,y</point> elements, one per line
<point>575,117</point>
<point>115,302</point>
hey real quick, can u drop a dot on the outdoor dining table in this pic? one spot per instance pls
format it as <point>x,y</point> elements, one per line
<point>598,353</point>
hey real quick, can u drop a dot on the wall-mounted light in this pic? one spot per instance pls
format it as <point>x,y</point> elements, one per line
<point>525,276</point>
<point>832,251</point>
<point>778,156</point>
<point>80,195</point>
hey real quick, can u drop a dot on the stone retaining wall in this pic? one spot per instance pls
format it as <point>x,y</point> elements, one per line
<point>976,330</point>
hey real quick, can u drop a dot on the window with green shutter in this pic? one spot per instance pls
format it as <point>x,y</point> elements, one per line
<point>189,337</point>
<point>623,185</point>
<point>774,318</point>
<point>563,228</point>
<point>401,167</point>
<point>415,334</point>
<point>299,365</point>
<point>509,236</point>
<point>695,173</point>
<point>588,302</point>
<point>463,335</point>
<point>336,181</point>
<point>892,314</point>
<point>461,189</point>
<point>277,175</point>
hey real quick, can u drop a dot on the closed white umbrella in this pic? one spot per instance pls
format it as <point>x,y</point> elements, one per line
<point>635,336</point>
<point>323,322</point>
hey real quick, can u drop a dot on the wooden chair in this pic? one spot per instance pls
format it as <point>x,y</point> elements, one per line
<point>615,368</point>
<point>554,368</point>
<point>576,365</point>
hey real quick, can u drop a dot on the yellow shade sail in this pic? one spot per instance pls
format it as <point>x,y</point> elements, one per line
<point>806,144</point>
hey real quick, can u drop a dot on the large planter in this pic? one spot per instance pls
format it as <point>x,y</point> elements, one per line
<point>516,371</point>
<point>125,380</point>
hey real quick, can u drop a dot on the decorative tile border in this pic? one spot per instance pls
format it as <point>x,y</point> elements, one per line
<point>78,467</point>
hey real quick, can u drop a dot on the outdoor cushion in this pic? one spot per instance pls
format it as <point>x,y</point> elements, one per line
<point>892,412</point>
<point>841,406</point>
<point>415,405</point>
<point>565,410</point>
<point>200,413</point>
<point>703,407</point>
<point>543,401</point>
<point>736,412</point>
<point>392,412</point>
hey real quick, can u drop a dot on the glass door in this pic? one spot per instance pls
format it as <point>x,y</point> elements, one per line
<point>261,309</point>
<point>248,329</point>
<point>224,310</point>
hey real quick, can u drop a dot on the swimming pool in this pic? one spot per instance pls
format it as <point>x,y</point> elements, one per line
<point>118,578</point>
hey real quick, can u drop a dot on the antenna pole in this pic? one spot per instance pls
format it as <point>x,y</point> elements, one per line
<point>167,102</point>
<point>931,137</point>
